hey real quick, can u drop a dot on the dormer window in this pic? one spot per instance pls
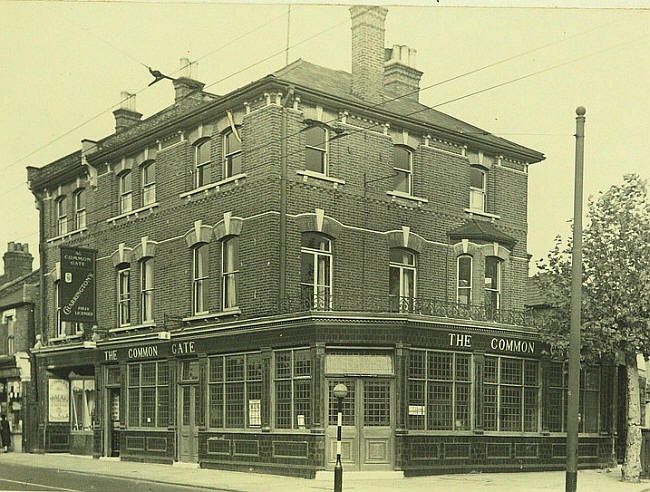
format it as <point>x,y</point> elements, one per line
<point>403,169</point>
<point>126,192</point>
<point>316,144</point>
<point>148,183</point>
<point>232,156</point>
<point>61,216</point>
<point>80,209</point>
<point>478,189</point>
<point>201,163</point>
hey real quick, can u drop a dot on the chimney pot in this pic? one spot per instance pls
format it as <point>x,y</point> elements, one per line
<point>401,78</point>
<point>17,261</point>
<point>126,116</point>
<point>186,84</point>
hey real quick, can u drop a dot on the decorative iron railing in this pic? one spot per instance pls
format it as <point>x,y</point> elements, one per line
<point>413,305</point>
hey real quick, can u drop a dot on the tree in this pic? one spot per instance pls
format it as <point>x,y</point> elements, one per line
<point>616,293</point>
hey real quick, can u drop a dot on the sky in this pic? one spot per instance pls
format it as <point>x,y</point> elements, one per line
<point>64,64</point>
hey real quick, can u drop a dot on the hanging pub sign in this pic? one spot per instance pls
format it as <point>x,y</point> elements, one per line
<point>77,285</point>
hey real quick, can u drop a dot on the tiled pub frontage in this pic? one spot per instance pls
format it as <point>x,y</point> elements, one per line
<point>424,396</point>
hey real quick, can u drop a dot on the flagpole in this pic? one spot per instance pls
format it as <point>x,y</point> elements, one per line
<point>286,51</point>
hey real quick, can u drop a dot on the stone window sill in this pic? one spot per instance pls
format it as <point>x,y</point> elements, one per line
<point>131,213</point>
<point>206,316</point>
<point>482,214</point>
<point>66,337</point>
<point>216,185</point>
<point>149,324</point>
<point>322,177</point>
<point>406,196</point>
<point>67,235</point>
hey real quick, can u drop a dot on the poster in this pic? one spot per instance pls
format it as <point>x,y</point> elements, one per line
<point>58,400</point>
<point>254,413</point>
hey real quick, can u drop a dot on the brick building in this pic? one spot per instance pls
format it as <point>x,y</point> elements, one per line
<point>312,227</point>
<point>19,306</point>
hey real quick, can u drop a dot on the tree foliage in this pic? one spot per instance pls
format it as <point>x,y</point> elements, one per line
<point>616,276</point>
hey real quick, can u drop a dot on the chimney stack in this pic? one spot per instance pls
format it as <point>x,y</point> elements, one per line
<point>368,52</point>
<point>126,116</point>
<point>17,261</point>
<point>186,85</point>
<point>400,75</point>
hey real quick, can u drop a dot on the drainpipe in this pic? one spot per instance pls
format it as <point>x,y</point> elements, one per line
<point>42,293</point>
<point>282,288</point>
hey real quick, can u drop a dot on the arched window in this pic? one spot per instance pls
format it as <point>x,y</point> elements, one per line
<point>201,163</point>
<point>146,290</point>
<point>316,145</point>
<point>403,168</point>
<point>124,295</point>
<point>229,271</point>
<point>80,209</point>
<point>61,215</point>
<point>493,267</point>
<point>126,192</point>
<point>148,183</point>
<point>316,270</point>
<point>232,156</point>
<point>402,279</point>
<point>200,270</point>
<point>464,276</point>
<point>478,189</point>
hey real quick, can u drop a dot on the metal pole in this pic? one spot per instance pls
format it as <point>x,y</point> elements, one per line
<point>576,301</point>
<point>338,468</point>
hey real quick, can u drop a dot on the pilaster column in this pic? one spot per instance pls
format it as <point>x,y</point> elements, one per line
<point>479,367</point>
<point>267,381</point>
<point>317,383</point>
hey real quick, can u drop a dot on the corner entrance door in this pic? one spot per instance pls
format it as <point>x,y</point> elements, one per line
<point>188,442</point>
<point>367,431</point>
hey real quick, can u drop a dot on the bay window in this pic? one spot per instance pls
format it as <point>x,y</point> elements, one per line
<point>492,284</point>
<point>464,276</point>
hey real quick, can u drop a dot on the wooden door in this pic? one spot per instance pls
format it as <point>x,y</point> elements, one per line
<point>188,441</point>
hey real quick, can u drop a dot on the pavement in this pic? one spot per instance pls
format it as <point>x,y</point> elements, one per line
<point>197,479</point>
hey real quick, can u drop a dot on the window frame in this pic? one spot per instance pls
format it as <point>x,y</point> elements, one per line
<point>147,290</point>
<point>228,157</point>
<point>61,215</point>
<point>160,387</point>
<point>402,268</point>
<point>79,209</point>
<point>482,191</point>
<point>324,152</point>
<point>200,168</point>
<point>125,193</point>
<point>562,389</point>
<point>199,284</point>
<point>124,313</point>
<point>293,380</point>
<point>148,170</point>
<point>230,277</point>
<point>398,170</point>
<point>317,254</point>
<point>499,287</point>
<point>467,287</point>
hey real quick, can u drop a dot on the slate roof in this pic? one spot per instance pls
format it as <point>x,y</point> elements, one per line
<point>482,230</point>
<point>53,170</point>
<point>534,296</point>
<point>338,83</point>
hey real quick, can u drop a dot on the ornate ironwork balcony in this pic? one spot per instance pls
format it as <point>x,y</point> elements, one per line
<point>413,305</point>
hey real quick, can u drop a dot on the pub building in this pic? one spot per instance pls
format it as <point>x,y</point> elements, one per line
<point>247,252</point>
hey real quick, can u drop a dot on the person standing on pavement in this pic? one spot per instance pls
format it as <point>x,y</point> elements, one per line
<point>5,433</point>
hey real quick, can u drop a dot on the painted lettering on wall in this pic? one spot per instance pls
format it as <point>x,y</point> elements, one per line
<point>110,354</point>
<point>460,340</point>
<point>510,345</point>
<point>146,351</point>
<point>183,348</point>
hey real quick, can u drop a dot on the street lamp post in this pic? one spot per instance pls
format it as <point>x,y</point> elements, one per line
<point>340,392</point>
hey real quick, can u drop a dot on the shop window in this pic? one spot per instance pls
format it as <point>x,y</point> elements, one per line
<point>235,391</point>
<point>401,280</point>
<point>589,406</point>
<point>200,279</point>
<point>439,390</point>
<point>478,189</point>
<point>229,271</point>
<point>80,209</point>
<point>83,404</point>
<point>316,143</point>
<point>202,163</point>
<point>293,389</point>
<point>126,192</point>
<point>511,394</point>
<point>146,290</point>
<point>232,156</point>
<point>464,276</point>
<point>403,169</point>
<point>316,271</point>
<point>124,296</point>
<point>61,215</point>
<point>492,295</point>
<point>148,394</point>
<point>148,183</point>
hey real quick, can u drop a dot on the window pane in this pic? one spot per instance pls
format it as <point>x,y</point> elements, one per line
<point>125,181</point>
<point>235,368</point>
<point>134,407</point>
<point>464,271</point>
<point>233,165</point>
<point>235,405</point>
<point>315,137</point>
<point>216,369</point>
<point>491,272</point>
<point>530,409</point>
<point>232,143</point>
<point>439,409</point>
<point>401,158</point>
<point>302,401</point>
<point>416,364</point>
<point>401,182</point>
<point>283,365</point>
<point>476,178</point>
<point>148,407</point>
<point>440,365</point>
<point>201,261</point>
<point>510,408</point>
<point>315,241</point>
<point>347,407</point>
<point>254,367</point>
<point>463,392</point>
<point>307,268</point>
<point>315,160</point>
<point>416,398</point>
<point>302,363</point>
<point>394,282</point>
<point>283,404</point>
<point>477,200</point>
<point>376,403</point>
<point>203,152</point>
<point>463,367</point>
<point>216,405</point>
<point>489,406</point>
<point>163,406</point>
<point>511,371</point>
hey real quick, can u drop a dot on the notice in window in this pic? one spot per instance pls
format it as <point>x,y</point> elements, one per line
<point>416,409</point>
<point>301,421</point>
<point>254,413</point>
